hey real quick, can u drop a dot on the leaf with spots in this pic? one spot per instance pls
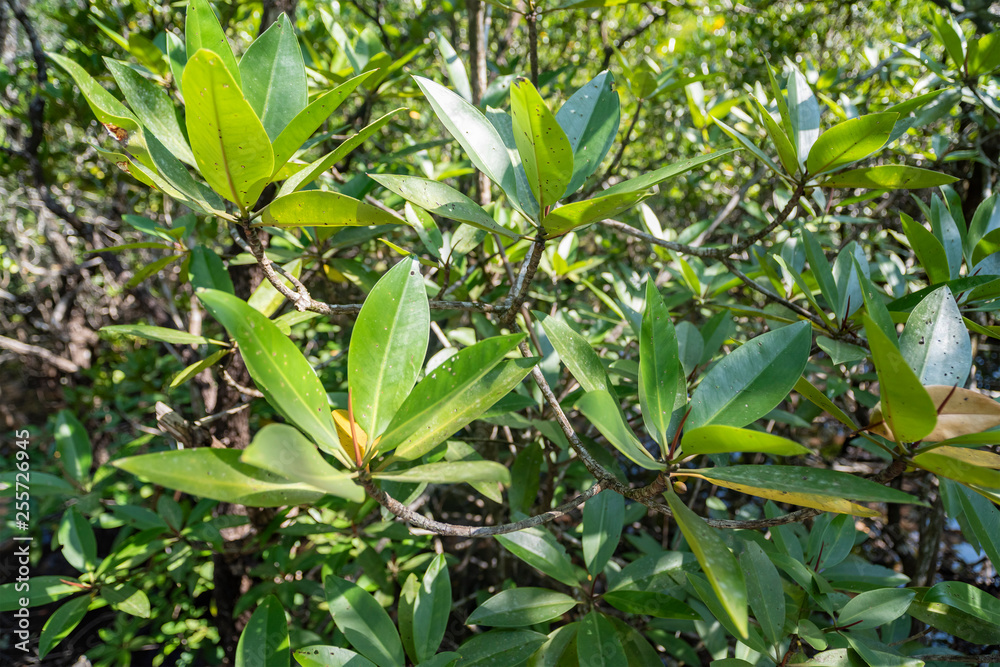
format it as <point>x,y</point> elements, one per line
<point>388,346</point>
<point>202,30</point>
<point>274,76</point>
<point>229,143</point>
<point>220,475</point>
<point>935,341</point>
<point>319,208</point>
<point>278,368</point>
<point>545,150</point>
<point>442,200</point>
<point>453,395</point>
<point>590,118</point>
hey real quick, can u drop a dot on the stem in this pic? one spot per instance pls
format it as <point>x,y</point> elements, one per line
<point>532,17</point>
<point>520,289</point>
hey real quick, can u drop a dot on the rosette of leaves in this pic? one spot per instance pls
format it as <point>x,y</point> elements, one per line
<point>241,123</point>
<point>538,159</point>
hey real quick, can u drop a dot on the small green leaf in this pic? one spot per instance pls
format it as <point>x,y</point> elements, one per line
<point>603,520</point>
<point>76,536</point>
<point>850,141</point>
<point>928,249</point>
<point>545,150</point>
<point>128,599</point>
<point>330,656</point>
<point>520,607</point>
<point>539,549</point>
<point>598,644</point>
<point>748,383</point>
<point>364,622</point>
<point>648,180</point>
<point>717,562</point>
<point>108,110</point>
<point>580,213</point>
<point>161,334</point>
<point>431,609</point>
<point>660,369</point>
<point>456,70</point>
<point>62,622</point>
<point>218,474</point>
<point>206,270</point>
<point>283,450</point>
<point>764,591</point>
<point>274,76</point>
<point>230,145</point>
<point>888,177</point>
<point>872,609</point>
<point>320,208</point>
<point>453,472</point>
<point>720,439</point>
<point>73,445</point>
<point>264,640</point>
<point>603,411</point>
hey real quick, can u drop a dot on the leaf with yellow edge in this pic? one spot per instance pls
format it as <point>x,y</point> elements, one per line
<point>958,469</point>
<point>960,412</point>
<point>977,457</point>
<point>825,503</point>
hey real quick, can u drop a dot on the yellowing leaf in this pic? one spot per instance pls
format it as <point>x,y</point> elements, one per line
<point>343,423</point>
<point>825,503</point>
<point>960,412</point>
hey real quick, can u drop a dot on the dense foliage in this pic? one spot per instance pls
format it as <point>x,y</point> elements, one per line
<point>550,333</point>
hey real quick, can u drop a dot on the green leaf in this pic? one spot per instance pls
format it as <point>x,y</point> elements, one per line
<point>577,214</point>
<point>218,474</point>
<point>266,299</point>
<point>202,30</point>
<point>62,622</point>
<point>79,546</point>
<point>443,200</point>
<point>720,439</point>
<point>313,170</point>
<point>983,54</point>
<point>229,143</point>
<point>874,303</point>
<point>946,230</point>
<point>803,479</point>
<point>40,591</point>
<point>73,445</point>
<point>935,341</point>
<point>603,520</point>
<point>431,608</point>
<point>539,549</point>
<point>603,411</point>
<point>477,136</point>
<point>545,150</point>
<point>453,395</point>
<point>283,450</point>
<point>786,152</point>
<point>577,354</point>
<point>274,77</point>
<point>744,141</point>
<point>320,208</point>
<point>748,383</point>
<point>873,652</point>
<point>821,270</point>
<point>388,346</point>
<point>161,334</point>
<point>779,100</point>
<point>109,111</point>
<point>521,197</point>
<point>176,56</point>
<point>153,107</point>
<point>928,249</point>
<point>850,141</point>
<point>151,270</point>
<point>907,409</point>
<point>957,468</point>
<point>500,648</point>
<point>264,640</point>
<point>278,369</point>
<point>520,607</point>
<point>309,119</point>
<point>42,485</point>
<point>717,562</point>
<point>597,643</point>
<point>950,34</point>
<point>803,110</point>
<point>330,656</point>
<point>764,591</point>
<point>660,371</point>
<point>590,119</point>
<point>955,621</point>
<point>206,270</point>
<point>453,472</point>
<point>648,603</point>
<point>128,599</point>
<point>456,70</point>
<point>888,177</point>
<point>873,609</point>
<point>364,622</point>
<point>967,598</point>
<point>648,180</point>
<point>983,518</point>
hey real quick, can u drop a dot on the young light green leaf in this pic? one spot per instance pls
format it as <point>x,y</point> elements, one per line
<point>109,111</point>
<point>321,208</point>
<point>161,334</point>
<point>850,141</point>
<point>73,445</point>
<point>907,409</point>
<point>443,200</point>
<point>539,549</point>
<point>450,472</point>
<point>803,110</point>
<point>388,346</point>
<point>545,150</point>
<point>453,395</point>
<point>716,560</point>
<point>202,30</point>
<point>888,177</point>
<point>580,213</point>
<point>264,640</point>
<point>751,381</point>
<point>928,249</point>
<point>590,119</point>
<point>283,450</point>
<point>720,439</point>
<point>521,607</point>
<point>659,365</point>
<point>603,520</point>
<point>274,77</point>
<point>278,369</point>
<point>364,622</point>
<point>330,656</point>
<point>648,180</point>
<point>456,70</point>
<point>62,622</point>
<point>603,411</point>
<point>230,145</point>
<point>218,474</point>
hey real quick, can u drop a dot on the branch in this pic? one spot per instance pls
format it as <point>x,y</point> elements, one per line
<point>985,659</point>
<point>520,289</point>
<point>452,530</point>
<point>532,17</point>
<point>24,349</point>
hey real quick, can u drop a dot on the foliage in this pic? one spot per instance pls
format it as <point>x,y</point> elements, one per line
<point>790,387</point>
